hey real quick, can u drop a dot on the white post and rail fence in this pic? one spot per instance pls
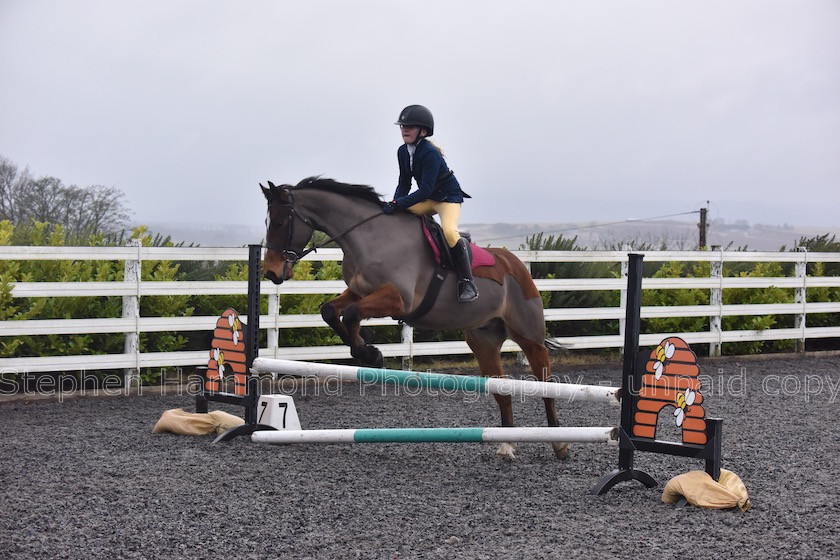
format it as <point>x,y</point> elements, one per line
<point>132,288</point>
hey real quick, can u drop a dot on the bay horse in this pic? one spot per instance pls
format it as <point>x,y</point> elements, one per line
<point>388,267</point>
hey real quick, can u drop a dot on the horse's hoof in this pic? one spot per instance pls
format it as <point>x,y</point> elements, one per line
<point>505,452</point>
<point>371,357</point>
<point>561,450</point>
<point>368,356</point>
<point>375,358</point>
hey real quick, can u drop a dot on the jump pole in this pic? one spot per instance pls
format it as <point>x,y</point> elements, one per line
<point>440,435</point>
<point>443,381</point>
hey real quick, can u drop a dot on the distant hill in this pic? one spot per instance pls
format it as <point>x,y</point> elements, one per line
<point>210,235</point>
<point>678,235</point>
<point>672,234</point>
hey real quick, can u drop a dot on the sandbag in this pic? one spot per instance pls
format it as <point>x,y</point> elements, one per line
<point>179,421</point>
<point>700,489</point>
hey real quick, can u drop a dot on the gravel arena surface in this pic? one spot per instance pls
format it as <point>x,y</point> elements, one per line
<point>86,478</point>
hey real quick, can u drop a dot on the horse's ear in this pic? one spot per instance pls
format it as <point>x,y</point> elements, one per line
<point>275,193</point>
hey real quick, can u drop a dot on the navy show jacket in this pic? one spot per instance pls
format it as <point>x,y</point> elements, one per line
<point>434,179</point>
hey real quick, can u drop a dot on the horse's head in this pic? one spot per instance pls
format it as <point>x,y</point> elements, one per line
<point>287,233</point>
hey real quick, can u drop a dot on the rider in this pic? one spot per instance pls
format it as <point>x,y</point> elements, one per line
<point>438,191</point>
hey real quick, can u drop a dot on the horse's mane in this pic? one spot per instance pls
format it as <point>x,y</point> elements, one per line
<point>364,192</point>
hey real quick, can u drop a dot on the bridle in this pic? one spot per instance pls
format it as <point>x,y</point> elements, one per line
<point>288,217</point>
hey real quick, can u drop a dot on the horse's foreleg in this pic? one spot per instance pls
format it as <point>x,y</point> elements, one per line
<point>384,302</point>
<point>486,344</point>
<point>537,355</point>
<point>331,313</point>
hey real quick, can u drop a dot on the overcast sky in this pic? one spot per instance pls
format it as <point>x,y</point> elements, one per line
<point>549,111</point>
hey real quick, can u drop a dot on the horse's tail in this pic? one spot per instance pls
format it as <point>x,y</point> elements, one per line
<point>554,346</point>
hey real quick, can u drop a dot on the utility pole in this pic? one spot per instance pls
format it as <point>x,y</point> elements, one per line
<point>703,225</point>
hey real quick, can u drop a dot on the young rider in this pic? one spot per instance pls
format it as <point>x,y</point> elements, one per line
<point>438,191</point>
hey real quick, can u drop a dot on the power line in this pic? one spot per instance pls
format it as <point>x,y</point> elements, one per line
<point>626,221</point>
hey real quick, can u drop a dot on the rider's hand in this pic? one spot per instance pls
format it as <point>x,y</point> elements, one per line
<point>389,208</point>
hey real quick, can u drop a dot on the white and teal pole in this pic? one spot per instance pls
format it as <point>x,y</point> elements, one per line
<point>440,435</point>
<point>442,381</point>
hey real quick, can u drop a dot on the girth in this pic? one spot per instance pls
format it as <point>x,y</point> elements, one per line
<point>429,298</point>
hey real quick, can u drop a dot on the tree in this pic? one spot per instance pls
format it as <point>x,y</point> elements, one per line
<point>96,209</point>
<point>12,182</point>
<point>81,211</point>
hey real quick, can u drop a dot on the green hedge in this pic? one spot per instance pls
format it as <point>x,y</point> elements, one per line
<point>40,234</point>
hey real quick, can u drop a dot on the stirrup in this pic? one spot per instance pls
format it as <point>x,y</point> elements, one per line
<point>467,291</point>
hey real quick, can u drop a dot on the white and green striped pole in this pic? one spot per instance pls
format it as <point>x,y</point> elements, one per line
<point>442,381</point>
<point>440,435</point>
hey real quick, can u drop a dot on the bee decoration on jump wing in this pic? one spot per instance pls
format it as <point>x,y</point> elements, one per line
<point>663,353</point>
<point>235,327</point>
<point>683,401</point>
<point>219,356</point>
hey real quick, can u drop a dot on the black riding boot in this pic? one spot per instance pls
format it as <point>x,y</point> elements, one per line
<point>461,258</point>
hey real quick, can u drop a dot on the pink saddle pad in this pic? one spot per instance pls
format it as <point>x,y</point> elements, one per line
<point>480,256</point>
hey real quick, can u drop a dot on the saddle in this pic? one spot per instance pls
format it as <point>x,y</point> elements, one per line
<point>433,233</point>
<point>440,248</point>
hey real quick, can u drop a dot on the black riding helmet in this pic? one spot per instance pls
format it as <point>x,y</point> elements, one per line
<point>417,115</point>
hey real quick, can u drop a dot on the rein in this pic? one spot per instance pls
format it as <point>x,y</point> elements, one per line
<point>293,255</point>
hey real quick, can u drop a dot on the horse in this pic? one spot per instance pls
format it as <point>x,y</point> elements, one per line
<point>388,267</point>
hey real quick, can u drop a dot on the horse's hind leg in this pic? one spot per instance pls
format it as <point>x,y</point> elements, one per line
<point>486,343</point>
<point>537,355</point>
